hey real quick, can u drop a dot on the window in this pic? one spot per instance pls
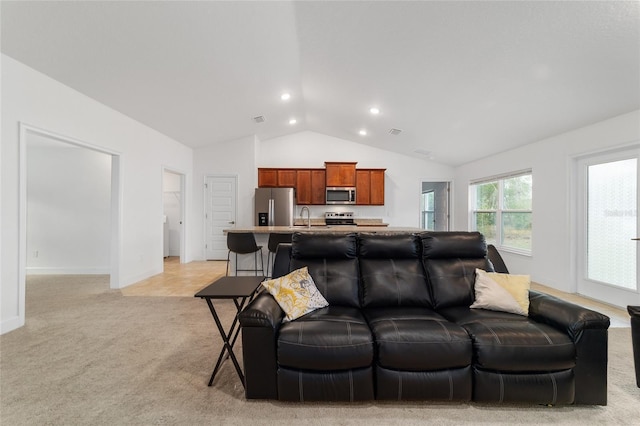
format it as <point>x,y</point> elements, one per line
<point>428,211</point>
<point>502,210</point>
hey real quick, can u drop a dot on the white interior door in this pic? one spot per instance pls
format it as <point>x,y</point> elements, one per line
<point>608,226</point>
<point>220,214</point>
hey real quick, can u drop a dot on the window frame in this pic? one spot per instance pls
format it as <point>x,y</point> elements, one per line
<point>500,209</point>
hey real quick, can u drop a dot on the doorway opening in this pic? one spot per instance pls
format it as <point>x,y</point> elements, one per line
<point>69,208</point>
<point>435,206</point>
<point>173,207</point>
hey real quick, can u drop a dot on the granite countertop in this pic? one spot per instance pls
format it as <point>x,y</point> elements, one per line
<point>325,228</point>
<point>358,222</point>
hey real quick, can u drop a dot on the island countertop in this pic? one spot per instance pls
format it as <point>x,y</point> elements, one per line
<point>326,228</point>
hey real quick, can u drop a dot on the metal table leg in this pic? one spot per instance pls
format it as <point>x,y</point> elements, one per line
<point>227,339</point>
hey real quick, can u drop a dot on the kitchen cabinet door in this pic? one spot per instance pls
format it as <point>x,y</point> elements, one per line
<point>286,178</point>
<point>341,174</point>
<point>377,187</point>
<point>318,186</point>
<point>267,178</point>
<point>363,187</point>
<point>303,187</point>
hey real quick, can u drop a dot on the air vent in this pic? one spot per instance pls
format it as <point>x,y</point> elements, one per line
<point>395,132</point>
<point>422,152</point>
<point>259,119</point>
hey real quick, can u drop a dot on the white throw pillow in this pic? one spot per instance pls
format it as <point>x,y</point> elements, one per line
<point>507,293</point>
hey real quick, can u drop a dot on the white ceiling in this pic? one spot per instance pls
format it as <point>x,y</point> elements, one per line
<point>462,80</point>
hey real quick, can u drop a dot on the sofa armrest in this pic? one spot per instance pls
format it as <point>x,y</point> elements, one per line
<point>260,322</point>
<point>589,331</point>
<point>263,311</point>
<point>568,317</point>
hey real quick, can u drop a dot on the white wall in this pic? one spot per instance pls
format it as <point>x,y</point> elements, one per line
<point>552,161</point>
<point>33,98</point>
<point>69,214</point>
<point>235,158</point>
<point>403,177</point>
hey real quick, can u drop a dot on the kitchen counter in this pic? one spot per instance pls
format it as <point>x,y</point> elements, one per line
<point>324,228</point>
<point>357,222</point>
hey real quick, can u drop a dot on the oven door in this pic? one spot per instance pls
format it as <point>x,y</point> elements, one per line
<point>345,195</point>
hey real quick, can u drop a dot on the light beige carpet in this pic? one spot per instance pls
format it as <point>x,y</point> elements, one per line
<point>89,356</point>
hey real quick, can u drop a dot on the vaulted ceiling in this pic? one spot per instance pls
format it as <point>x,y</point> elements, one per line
<point>461,80</point>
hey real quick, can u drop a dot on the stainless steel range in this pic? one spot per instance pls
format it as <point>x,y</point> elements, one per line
<point>339,218</point>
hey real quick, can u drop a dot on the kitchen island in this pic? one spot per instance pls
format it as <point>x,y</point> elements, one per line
<point>258,230</point>
<point>262,236</point>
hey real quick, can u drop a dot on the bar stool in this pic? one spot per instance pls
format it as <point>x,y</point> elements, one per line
<point>244,243</point>
<point>272,245</point>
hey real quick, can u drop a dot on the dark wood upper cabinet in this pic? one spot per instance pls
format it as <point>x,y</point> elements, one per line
<point>276,178</point>
<point>370,187</point>
<point>303,187</point>
<point>267,178</point>
<point>377,187</point>
<point>318,186</point>
<point>310,184</point>
<point>340,174</point>
<point>287,178</point>
<point>363,187</point>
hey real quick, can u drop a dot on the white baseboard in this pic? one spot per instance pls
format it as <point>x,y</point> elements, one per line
<point>67,271</point>
<point>127,281</point>
<point>11,324</point>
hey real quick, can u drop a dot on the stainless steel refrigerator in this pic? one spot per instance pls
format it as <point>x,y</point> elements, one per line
<point>274,206</point>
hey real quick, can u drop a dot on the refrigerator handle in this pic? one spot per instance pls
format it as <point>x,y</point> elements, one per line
<point>272,212</point>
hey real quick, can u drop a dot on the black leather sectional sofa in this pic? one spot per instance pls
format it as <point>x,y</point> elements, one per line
<point>399,327</point>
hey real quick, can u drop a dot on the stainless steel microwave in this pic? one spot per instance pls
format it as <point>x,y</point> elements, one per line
<point>341,195</point>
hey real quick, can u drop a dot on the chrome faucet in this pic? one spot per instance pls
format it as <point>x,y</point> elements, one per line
<point>308,215</point>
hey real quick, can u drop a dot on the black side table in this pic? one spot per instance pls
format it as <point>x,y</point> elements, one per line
<point>240,290</point>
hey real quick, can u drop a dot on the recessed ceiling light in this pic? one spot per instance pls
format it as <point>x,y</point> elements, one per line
<point>363,132</point>
<point>374,110</point>
<point>293,121</point>
<point>285,96</point>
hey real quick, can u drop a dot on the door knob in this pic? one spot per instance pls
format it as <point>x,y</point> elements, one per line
<point>232,222</point>
<point>635,239</point>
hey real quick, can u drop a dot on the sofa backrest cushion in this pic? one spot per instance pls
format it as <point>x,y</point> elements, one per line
<point>462,245</point>
<point>450,260</point>
<point>332,262</point>
<point>391,270</point>
<point>282,260</point>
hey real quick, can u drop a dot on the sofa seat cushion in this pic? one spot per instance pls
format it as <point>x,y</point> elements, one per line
<point>452,384</point>
<point>348,385</point>
<point>462,315</point>
<point>520,346</point>
<point>557,387</point>
<point>417,339</point>
<point>331,338</point>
